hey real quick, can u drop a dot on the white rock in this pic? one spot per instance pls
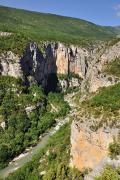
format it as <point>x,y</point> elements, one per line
<point>2,125</point>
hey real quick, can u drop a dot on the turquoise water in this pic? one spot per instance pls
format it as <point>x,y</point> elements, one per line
<point>26,158</point>
<point>14,165</point>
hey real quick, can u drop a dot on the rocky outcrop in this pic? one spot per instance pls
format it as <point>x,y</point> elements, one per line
<point>71,83</point>
<point>98,170</point>
<point>56,59</point>
<point>89,148</point>
<point>31,108</point>
<point>4,34</point>
<point>36,66</point>
<point>71,59</point>
<point>95,78</point>
<point>10,65</point>
<point>3,125</point>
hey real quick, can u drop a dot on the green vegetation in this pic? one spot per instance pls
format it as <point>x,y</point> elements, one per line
<point>71,90</point>
<point>16,43</point>
<point>22,125</point>
<point>41,27</point>
<point>114,148</point>
<point>102,107</point>
<point>108,98</point>
<point>23,128</point>
<point>53,160</point>
<point>77,97</point>
<point>113,41</point>
<point>113,68</point>
<point>57,100</point>
<point>109,173</point>
<point>68,76</point>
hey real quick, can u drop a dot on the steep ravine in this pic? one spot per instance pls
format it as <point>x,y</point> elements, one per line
<point>88,148</point>
<point>29,153</point>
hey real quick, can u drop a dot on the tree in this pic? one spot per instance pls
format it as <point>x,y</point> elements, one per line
<point>5,153</point>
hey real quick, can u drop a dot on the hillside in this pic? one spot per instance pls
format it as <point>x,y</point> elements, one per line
<point>40,26</point>
<point>117,28</point>
<point>59,98</point>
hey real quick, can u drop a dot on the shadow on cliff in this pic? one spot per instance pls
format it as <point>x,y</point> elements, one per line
<point>40,67</point>
<point>1,69</point>
<point>52,79</point>
<point>52,83</point>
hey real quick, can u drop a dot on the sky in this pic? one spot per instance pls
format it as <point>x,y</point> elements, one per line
<point>102,12</point>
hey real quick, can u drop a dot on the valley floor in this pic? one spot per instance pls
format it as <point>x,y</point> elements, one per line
<point>27,156</point>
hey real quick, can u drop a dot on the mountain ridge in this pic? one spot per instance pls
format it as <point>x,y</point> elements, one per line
<point>59,15</point>
<point>46,26</point>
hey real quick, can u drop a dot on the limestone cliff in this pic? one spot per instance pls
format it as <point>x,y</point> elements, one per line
<point>95,78</point>
<point>89,147</point>
<point>10,65</point>
<point>57,58</point>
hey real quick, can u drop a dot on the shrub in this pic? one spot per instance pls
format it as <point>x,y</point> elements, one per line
<point>108,174</point>
<point>113,68</point>
<point>108,98</point>
<point>114,147</point>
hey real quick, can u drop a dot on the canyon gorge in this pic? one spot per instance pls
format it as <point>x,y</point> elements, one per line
<point>59,95</point>
<point>45,67</point>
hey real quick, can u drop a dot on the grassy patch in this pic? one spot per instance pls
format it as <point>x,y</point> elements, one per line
<point>113,68</point>
<point>108,98</point>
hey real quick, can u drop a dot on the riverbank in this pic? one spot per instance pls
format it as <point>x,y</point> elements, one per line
<point>23,158</point>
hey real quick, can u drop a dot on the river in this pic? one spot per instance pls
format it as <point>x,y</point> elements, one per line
<point>23,158</point>
<point>27,156</point>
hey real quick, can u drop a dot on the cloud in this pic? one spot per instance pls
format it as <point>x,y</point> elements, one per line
<point>117,9</point>
<point>118,14</point>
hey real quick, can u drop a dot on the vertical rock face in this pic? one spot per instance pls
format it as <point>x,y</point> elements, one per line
<point>89,147</point>
<point>71,59</point>
<point>57,58</point>
<point>95,78</point>
<point>35,66</point>
<point>62,59</point>
<point>10,65</point>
